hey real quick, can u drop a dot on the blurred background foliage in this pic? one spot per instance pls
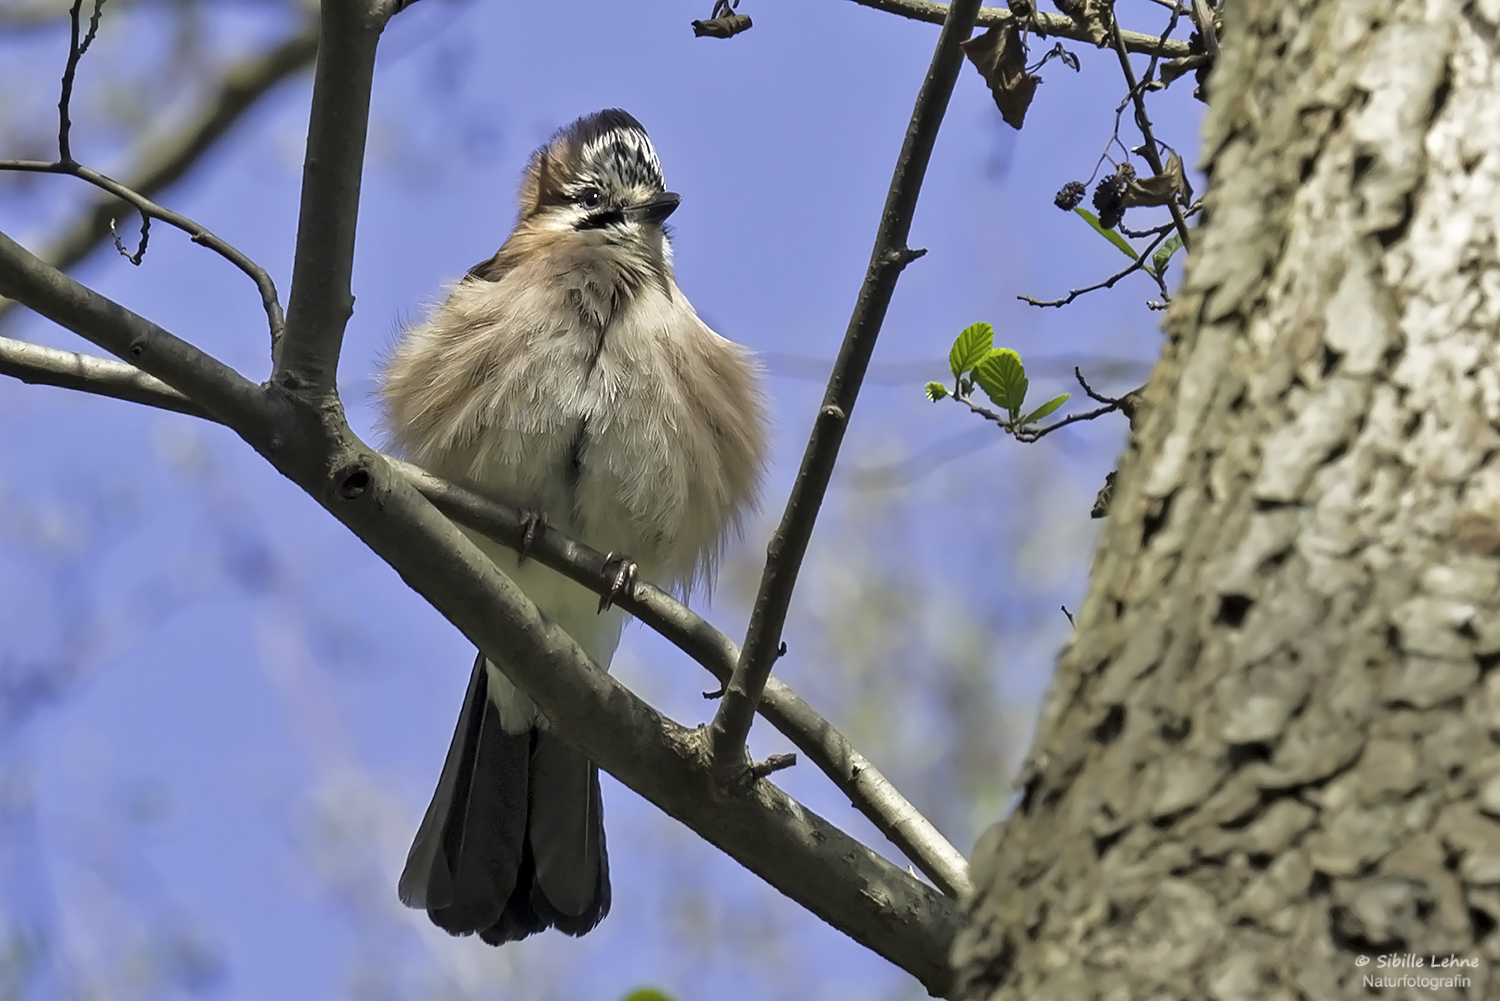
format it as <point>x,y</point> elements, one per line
<point>220,717</point>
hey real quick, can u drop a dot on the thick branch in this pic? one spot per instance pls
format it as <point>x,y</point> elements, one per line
<point>793,849</point>
<point>215,387</point>
<point>797,852</point>
<point>166,159</point>
<point>37,365</point>
<point>1046,24</point>
<point>321,301</point>
<point>788,545</point>
<point>868,790</point>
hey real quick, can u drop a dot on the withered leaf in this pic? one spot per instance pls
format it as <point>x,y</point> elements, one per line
<point>1000,57</point>
<point>726,26</point>
<point>1090,15</point>
<point>1174,68</point>
<point>1162,188</point>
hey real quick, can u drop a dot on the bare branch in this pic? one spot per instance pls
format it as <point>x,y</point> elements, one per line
<point>788,545</point>
<point>1139,264</point>
<point>168,158</point>
<point>140,249</point>
<point>321,301</point>
<point>799,853</point>
<point>867,789</point>
<point>215,387</point>
<point>1029,434</point>
<point>76,49</point>
<point>1055,25</point>
<point>1143,122</point>
<point>151,210</point>
<point>37,365</point>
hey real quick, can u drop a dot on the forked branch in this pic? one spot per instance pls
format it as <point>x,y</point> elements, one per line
<point>799,853</point>
<point>788,544</point>
<point>868,790</point>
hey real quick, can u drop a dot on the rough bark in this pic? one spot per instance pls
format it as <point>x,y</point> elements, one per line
<point>1273,744</point>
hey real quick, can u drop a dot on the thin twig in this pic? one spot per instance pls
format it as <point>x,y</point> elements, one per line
<point>788,545</point>
<point>1143,122</point>
<point>1155,56</point>
<point>1139,264</point>
<point>867,789</point>
<point>1139,233</point>
<point>150,210</point>
<point>140,250</point>
<point>76,49</point>
<point>165,159</point>
<point>1054,25</point>
<point>1029,435</point>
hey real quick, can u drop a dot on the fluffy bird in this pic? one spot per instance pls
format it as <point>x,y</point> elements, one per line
<point>569,377</point>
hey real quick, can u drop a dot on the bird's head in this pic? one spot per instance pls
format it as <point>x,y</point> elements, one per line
<point>598,179</point>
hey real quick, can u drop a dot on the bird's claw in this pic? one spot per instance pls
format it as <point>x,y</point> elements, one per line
<point>532,522</point>
<point>622,571</point>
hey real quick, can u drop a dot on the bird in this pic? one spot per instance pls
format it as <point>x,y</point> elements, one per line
<point>569,377</point>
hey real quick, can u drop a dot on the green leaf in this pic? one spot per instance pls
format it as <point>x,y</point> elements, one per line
<point>971,347</point>
<point>1108,234</point>
<point>936,391</point>
<point>1003,379</point>
<point>1164,253</point>
<point>647,994</point>
<point>1045,409</point>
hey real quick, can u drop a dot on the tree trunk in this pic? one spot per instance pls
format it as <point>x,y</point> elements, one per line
<point>1272,748</point>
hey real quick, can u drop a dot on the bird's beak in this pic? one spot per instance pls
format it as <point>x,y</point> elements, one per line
<point>655,210</point>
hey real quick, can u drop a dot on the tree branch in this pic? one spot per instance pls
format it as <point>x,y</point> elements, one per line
<point>215,387</point>
<point>799,853</point>
<point>321,301</point>
<point>793,849</point>
<point>868,790</point>
<point>788,545</point>
<point>166,159</point>
<point>1141,263</point>
<point>37,365</point>
<point>1055,25</point>
<point>151,210</point>
<point>1143,122</point>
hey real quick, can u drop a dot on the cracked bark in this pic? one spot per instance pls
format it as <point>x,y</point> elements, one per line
<point>1271,745</point>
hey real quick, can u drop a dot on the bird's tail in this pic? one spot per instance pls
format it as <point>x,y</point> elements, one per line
<point>513,840</point>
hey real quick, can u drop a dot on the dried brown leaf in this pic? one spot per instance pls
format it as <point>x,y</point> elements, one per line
<point>1000,57</point>
<point>722,27</point>
<point>1160,190</point>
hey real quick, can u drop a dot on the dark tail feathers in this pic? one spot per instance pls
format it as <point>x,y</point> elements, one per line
<point>513,840</point>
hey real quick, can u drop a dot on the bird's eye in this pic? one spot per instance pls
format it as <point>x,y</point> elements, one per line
<point>590,198</point>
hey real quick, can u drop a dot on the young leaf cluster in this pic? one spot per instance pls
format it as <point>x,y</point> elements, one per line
<point>999,372</point>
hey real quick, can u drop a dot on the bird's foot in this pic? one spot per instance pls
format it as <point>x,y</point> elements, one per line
<point>622,573</point>
<point>532,522</point>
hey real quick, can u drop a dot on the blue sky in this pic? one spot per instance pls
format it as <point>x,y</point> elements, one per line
<point>223,716</point>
